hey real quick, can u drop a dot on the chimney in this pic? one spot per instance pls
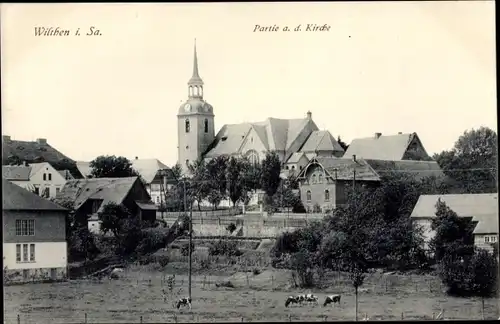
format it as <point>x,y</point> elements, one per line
<point>41,141</point>
<point>399,133</point>
<point>6,138</point>
<point>354,157</point>
<point>309,115</point>
<point>137,158</point>
<point>377,135</point>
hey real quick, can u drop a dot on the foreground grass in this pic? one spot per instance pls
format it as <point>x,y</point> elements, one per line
<point>254,298</point>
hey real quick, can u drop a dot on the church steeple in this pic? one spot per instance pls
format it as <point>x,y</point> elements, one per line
<point>195,84</point>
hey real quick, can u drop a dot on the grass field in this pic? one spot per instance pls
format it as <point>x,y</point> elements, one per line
<point>254,298</point>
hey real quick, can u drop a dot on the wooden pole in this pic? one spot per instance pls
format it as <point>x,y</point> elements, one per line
<point>18,319</point>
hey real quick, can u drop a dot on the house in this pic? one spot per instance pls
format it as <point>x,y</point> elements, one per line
<point>34,236</point>
<point>482,209</point>
<point>151,174</point>
<point>40,178</point>
<point>197,137</point>
<point>15,152</point>
<point>89,196</point>
<point>324,180</point>
<point>388,147</point>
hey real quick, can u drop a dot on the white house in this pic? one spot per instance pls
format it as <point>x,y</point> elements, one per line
<point>34,243</point>
<point>40,178</point>
<point>482,209</point>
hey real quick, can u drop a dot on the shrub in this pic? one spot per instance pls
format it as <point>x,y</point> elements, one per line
<point>153,239</point>
<point>316,208</point>
<point>224,247</point>
<point>231,228</point>
<point>163,260</point>
<point>185,249</point>
<point>256,271</point>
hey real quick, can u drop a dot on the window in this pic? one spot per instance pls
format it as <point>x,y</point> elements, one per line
<point>308,195</point>
<point>46,192</point>
<point>57,190</point>
<point>25,227</point>
<point>44,177</point>
<point>187,163</point>
<point>327,195</point>
<point>25,252</point>
<point>157,199</point>
<point>301,167</point>
<point>206,125</point>
<point>187,126</point>
<point>18,252</point>
<point>37,190</point>
<point>493,239</point>
<point>286,167</point>
<point>320,178</point>
<point>486,239</point>
<point>293,167</point>
<point>95,205</point>
<point>314,178</point>
<point>32,252</point>
<point>50,176</point>
<point>253,157</point>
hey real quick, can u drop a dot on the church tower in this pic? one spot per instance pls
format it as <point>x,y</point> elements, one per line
<point>195,121</point>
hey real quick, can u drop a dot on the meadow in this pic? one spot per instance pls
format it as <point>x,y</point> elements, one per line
<point>255,296</point>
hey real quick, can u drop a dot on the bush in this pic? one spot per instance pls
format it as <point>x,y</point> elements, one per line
<point>223,247</point>
<point>163,260</point>
<point>231,228</point>
<point>153,239</point>
<point>185,249</point>
<point>256,271</point>
<point>316,208</point>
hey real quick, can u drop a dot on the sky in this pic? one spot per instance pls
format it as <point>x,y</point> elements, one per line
<point>424,67</point>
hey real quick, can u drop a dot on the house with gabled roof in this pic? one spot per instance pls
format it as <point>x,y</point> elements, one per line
<point>16,152</point>
<point>481,209</point>
<point>388,147</point>
<point>89,196</point>
<point>324,181</point>
<point>34,236</point>
<point>41,178</point>
<point>150,171</point>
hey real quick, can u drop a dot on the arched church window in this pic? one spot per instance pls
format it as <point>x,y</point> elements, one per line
<point>293,167</point>
<point>327,195</point>
<point>320,178</point>
<point>314,178</point>
<point>286,167</point>
<point>195,90</point>
<point>206,125</point>
<point>190,91</point>
<point>253,157</point>
<point>188,126</point>
<point>308,195</point>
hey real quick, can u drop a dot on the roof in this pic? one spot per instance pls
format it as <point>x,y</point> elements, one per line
<point>17,198</point>
<point>390,147</point>
<point>84,168</point>
<point>16,172</point>
<point>66,174</point>
<point>148,168</point>
<point>483,208</point>
<point>276,135</point>
<point>418,169</point>
<point>343,168</point>
<point>30,151</point>
<point>107,189</point>
<point>321,140</point>
<point>146,205</point>
<point>295,157</point>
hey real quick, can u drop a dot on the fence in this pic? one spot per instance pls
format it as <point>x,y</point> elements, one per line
<point>226,220</point>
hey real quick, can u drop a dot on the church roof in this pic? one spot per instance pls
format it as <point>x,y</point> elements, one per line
<point>321,140</point>
<point>276,135</point>
<point>390,147</point>
<point>295,157</point>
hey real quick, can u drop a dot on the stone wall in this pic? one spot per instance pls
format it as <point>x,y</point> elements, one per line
<point>245,230</point>
<point>16,276</point>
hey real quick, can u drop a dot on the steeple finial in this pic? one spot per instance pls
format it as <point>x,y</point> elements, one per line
<point>196,75</point>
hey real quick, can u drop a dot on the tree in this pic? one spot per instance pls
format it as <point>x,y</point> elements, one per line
<point>176,173</point>
<point>485,269</point>
<point>454,238</point>
<point>235,179</point>
<point>112,218</point>
<point>472,162</point>
<point>111,166</point>
<point>199,181</point>
<point>342,143</point>
<point>357,277</point>
<point>271,169</point>
<point>216,171</point>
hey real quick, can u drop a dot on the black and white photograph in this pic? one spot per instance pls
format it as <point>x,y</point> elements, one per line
<point>249,162</point>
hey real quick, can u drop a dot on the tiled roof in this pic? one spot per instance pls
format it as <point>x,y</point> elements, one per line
<point>391,147</point>
<point>418,169</point>
<point>108,189</point>
<point>146,205</point>
<point>276,134</point>
<point>17,198</point>
<point>483,208</point>
<point>16,172</point>
<point>321,140</point>
<point>30,151</point>
<point>343,169</point>
<point>295,157</point>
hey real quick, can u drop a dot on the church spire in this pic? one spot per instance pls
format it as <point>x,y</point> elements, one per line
<point>195,83</point>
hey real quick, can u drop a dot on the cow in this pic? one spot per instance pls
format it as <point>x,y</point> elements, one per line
<point>291,300</point>
<point>184,301</point>
<point>331,299</point>
<point>310,298</point>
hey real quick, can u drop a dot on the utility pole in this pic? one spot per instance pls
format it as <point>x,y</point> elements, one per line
<point>190,237</point>
<point>354,174</point>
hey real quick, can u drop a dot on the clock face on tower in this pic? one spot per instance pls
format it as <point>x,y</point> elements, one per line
<point>187,107</point>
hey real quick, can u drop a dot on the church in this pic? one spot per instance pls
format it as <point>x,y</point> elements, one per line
<point>296,141</point>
